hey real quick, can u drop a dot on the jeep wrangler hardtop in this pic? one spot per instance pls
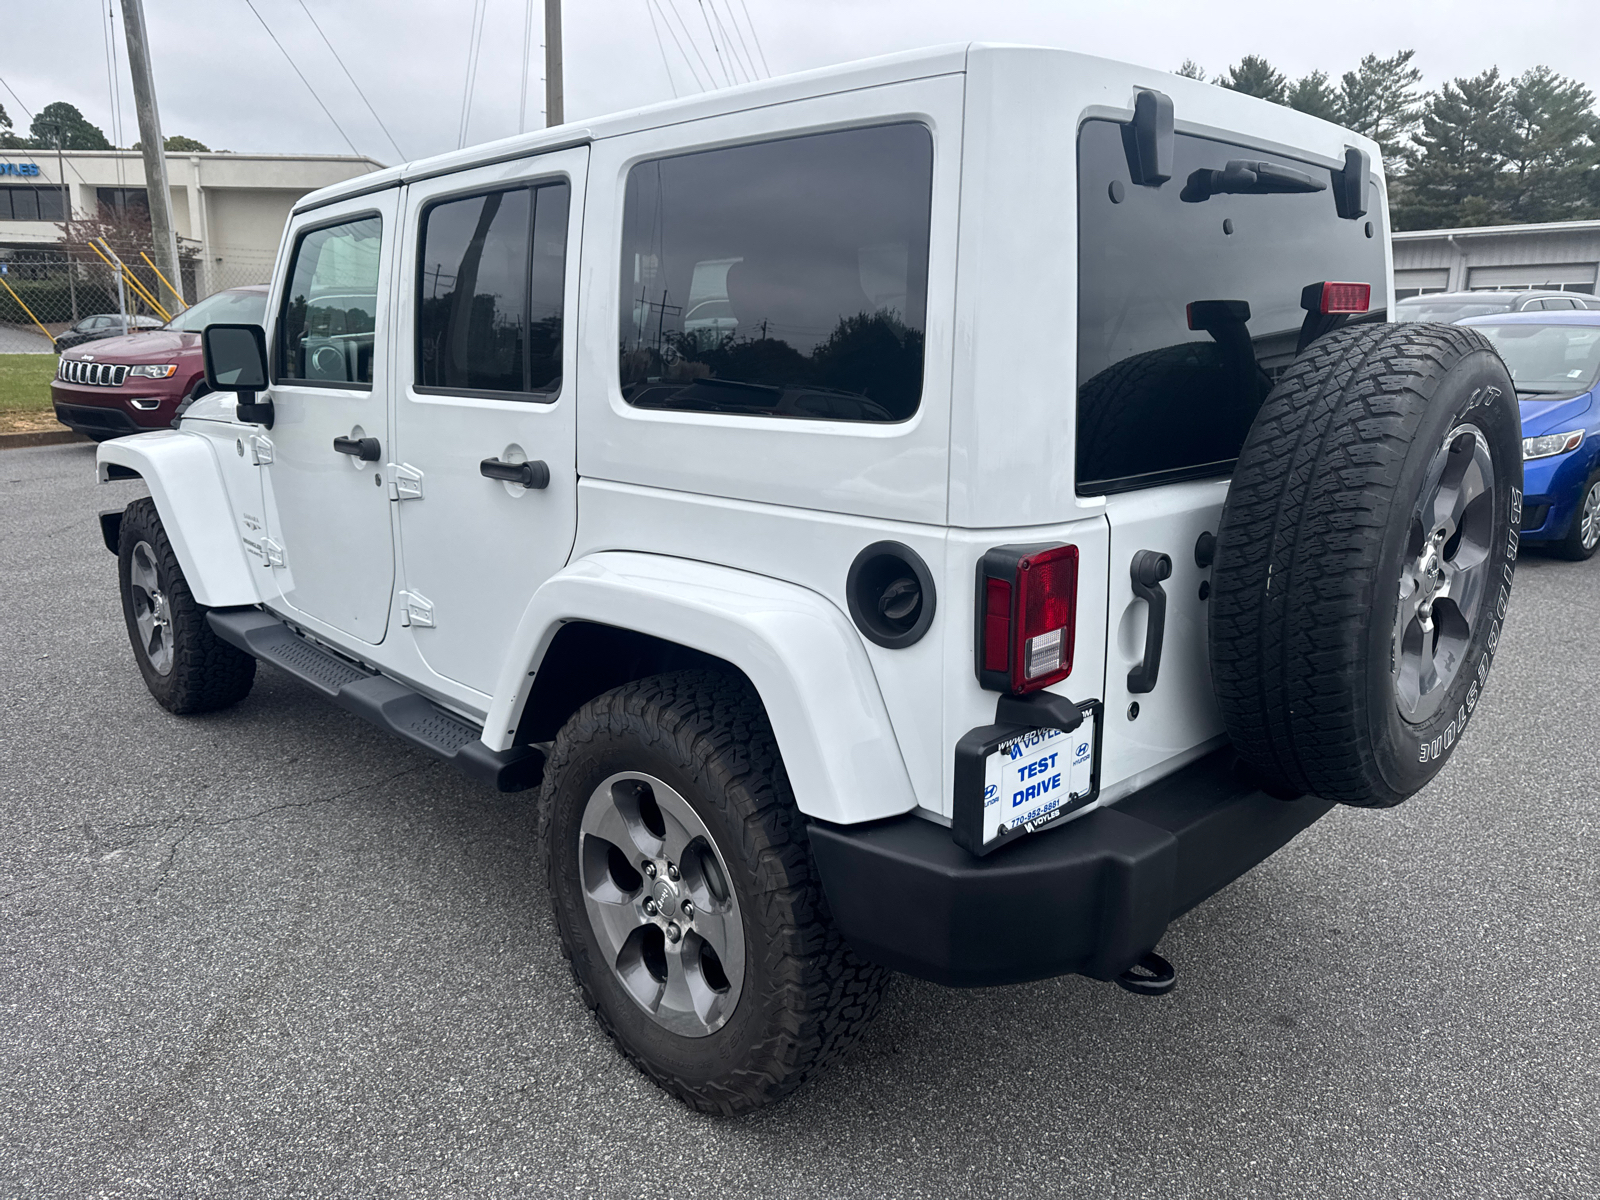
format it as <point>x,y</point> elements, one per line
<point>951,513</point>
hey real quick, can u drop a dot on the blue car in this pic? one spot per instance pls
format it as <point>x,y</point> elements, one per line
<point>1555,363</point>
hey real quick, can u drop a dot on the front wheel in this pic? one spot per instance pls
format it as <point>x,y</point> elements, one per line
<point>685,895</point>
<point>1584,536</point>
<point>187,668</point>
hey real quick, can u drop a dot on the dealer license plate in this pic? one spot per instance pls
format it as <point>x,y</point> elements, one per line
<point>1036,778</point>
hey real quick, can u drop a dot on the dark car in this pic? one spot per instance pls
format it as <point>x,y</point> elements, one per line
<point>131,383</point>
<point>1452,307</point>
<point>102,325</point>
<point>1555,363</point>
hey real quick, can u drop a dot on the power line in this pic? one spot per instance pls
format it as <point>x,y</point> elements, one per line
<point>711,80</point>
<point>527,49</point>
<point>712,35</point>
<point>749,58</point>
<point>352,80</point>
<point>27,112</point>
<point>108,36</point>
<point>693,74</point>
<point>749,71</point>
<point>474,49</point>
<point>756,37</point>
<point>251,6</point>
<point>662,46</point>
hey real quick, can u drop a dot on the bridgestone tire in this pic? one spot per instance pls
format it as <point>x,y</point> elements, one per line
<point>204,673</point>
<point>1321,535</point>
<point>804,997</point>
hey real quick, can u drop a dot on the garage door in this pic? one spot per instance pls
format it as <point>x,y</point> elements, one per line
<point>1422,279</point>
<point>1534,275</point>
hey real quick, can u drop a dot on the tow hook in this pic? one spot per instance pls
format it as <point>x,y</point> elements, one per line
<point>1152,975</point>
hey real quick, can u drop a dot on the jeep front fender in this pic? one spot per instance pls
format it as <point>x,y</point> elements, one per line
<point>800,652</point>
<point>181,472</point>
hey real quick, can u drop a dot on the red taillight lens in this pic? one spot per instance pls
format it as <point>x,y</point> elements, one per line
<point>1346,297</point>
<point>1028,609</point>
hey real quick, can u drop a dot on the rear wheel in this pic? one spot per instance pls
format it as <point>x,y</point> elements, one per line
<point>1584,536</point>
<point>1364,560</point>
<point>187,668</point>
<point>685,895</point>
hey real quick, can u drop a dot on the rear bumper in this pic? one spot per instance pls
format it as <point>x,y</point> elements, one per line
<point>1088,898</point>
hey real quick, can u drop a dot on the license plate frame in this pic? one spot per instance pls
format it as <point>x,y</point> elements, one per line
<point>979,815</point>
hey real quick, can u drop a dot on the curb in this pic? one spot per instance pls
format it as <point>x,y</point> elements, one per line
<point>43,437</point>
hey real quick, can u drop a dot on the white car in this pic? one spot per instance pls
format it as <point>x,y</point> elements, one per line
<point>951,513</point>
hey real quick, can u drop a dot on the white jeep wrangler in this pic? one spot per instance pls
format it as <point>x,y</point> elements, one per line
<point>951,513</point>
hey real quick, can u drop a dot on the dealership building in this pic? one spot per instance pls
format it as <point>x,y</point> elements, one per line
<point>1561,256</point>
<point>228,209</point>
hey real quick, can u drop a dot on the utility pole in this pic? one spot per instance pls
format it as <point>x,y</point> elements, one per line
<point>553,112</point>
<point>155,152</point>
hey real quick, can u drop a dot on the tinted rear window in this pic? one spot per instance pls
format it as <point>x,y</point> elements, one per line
<point>780,279</point>
<point>1157,400</point>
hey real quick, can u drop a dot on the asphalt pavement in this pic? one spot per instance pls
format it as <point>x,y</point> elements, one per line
<point>272,952</point>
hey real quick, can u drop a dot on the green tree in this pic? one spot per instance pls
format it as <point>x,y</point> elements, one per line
<point>178,144</point>
<point>1379,99</point>
<point>8,140</point>
<point>1459,153</point>
<point>61,120</point>
<point>1191,70</point>
<point>1552,154</point>
<point>1315,95</point>
<point>1255,76</point>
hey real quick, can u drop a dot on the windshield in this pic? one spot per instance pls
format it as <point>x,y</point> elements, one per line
<point>223,308</point>
<point>1548,359</point>
<point>1447,311</point>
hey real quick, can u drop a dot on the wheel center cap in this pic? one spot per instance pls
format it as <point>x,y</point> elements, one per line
<point>666,898</point>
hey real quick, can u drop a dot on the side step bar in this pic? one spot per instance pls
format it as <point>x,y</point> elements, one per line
<point>381,700</point>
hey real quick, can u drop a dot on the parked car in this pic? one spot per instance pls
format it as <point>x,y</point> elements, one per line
<point>1554,360</point>
<point>103,325</point>
<point>130,383</point>
<point>1450,307</point>
<point>858,615</point>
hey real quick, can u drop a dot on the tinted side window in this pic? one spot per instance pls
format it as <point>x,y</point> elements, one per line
<point>489,292</point>
<point>784,279</point>
<point>330,309</point>
<point>1189,304</point>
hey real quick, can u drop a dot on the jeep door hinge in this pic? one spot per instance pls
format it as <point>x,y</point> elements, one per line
<point>416,610</point>
<point>405,482</point>
<point>260,449</point>
<point>274,552</point>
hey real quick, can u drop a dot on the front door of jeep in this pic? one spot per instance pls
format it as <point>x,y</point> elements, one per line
<point>485,484</point>
<point>327,504</point>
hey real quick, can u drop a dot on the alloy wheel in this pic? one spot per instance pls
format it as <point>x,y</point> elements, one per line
<point>151,613</point>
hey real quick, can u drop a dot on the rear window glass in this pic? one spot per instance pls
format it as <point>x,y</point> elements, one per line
<point>782,279</point>
<point>1158,400</point>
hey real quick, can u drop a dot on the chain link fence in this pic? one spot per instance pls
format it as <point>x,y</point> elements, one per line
<point>46,292</point>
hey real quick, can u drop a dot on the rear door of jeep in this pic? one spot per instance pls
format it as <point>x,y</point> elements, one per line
<point>1189,309</point>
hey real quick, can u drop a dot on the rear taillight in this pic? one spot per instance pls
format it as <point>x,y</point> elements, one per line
<point>1336,297</point>
<point>1027,610</point>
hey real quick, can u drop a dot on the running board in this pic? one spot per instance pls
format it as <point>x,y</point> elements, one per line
<point>383,701</point>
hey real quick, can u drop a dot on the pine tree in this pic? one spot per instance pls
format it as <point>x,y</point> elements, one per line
<point>1255,76</point>
<point>62,121</point>
<point>1315,95</point>
<point>1459,152</point>
<point>1379,99</point>
<point>1552,154</point>
<point>1191,70</point>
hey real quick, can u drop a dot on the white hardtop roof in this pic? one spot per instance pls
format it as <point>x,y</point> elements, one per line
<point>1275,119</point>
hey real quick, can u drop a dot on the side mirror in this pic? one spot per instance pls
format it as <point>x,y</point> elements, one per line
<point>236,361</point>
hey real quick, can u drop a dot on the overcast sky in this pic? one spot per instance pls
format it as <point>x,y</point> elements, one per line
<point>219,78</point>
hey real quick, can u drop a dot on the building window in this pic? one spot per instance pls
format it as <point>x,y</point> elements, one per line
<point>780,279</point>
<point>31,204</point>
<point>490,292</point>
<point>118,204</point>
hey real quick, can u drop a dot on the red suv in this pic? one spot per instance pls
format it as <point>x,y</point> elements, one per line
<point>128,384</point>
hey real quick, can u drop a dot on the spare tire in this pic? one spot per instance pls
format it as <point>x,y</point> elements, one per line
<point>1364,560</point>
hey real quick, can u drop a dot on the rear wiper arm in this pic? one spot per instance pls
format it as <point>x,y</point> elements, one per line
<point>1248,177</point>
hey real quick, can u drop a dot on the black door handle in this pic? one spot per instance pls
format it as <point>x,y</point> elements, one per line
<point>366,449</point>
<point>529,474</point>
<point>1149,568</point>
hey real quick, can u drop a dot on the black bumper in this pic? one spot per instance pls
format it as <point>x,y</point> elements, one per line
<point>96,421</point>
<point>1088,898</point>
